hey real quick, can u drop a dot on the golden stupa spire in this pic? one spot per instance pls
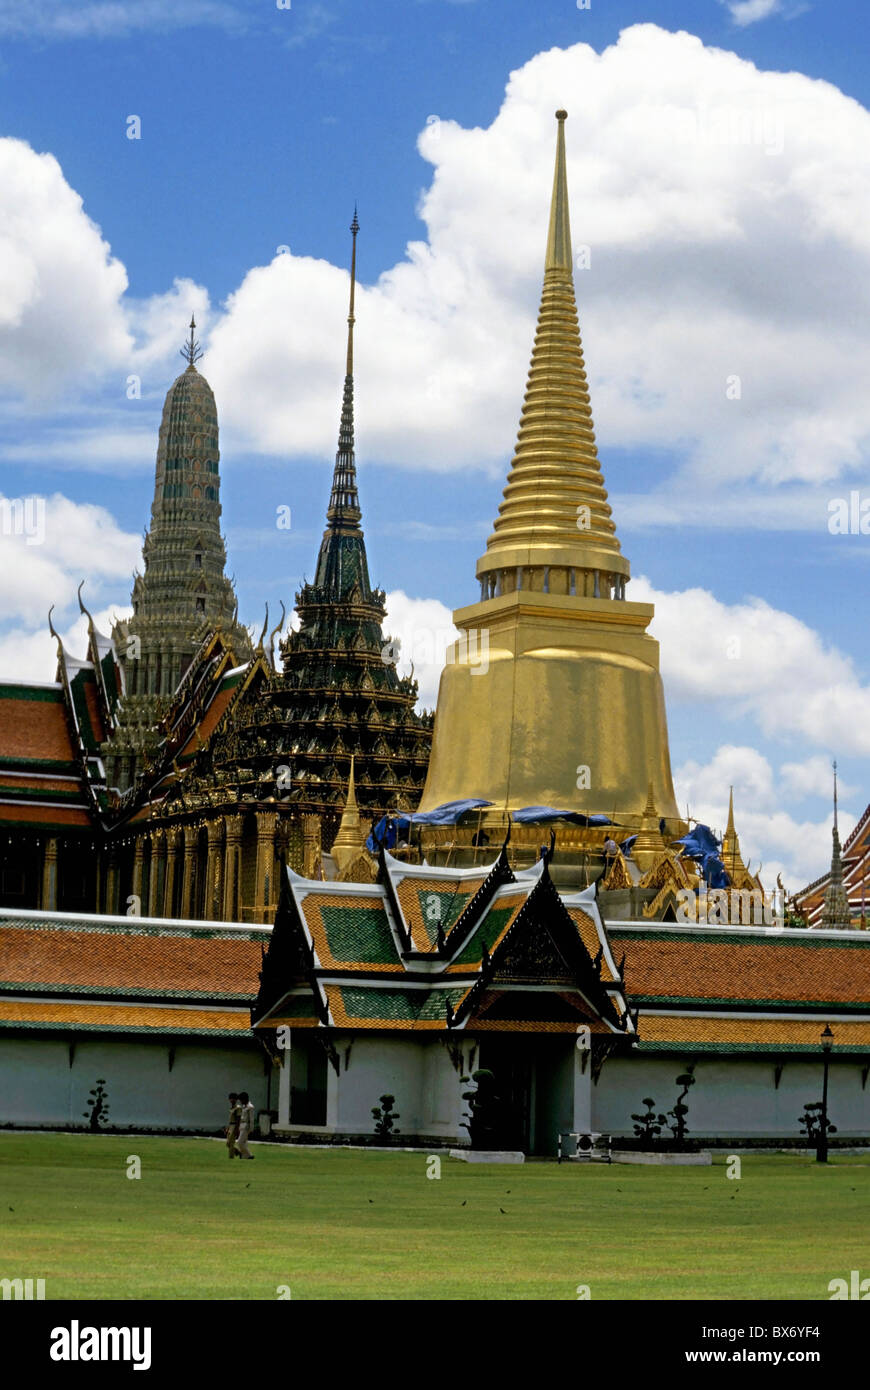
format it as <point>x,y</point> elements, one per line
<point>555,511</point>
<point>735,868</point>
<point>350,840</point>
<point>649,844</point>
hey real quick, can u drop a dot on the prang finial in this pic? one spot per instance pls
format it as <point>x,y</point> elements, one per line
<point>836,827</point>
<point>354,227</point>
<point>191,350</point>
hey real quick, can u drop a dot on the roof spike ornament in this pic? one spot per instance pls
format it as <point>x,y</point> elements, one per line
<point>836,914</point>
<point>191,350</point>
<point>274,633</point>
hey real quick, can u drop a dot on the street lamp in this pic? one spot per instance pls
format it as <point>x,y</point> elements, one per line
<point>822,1147</point>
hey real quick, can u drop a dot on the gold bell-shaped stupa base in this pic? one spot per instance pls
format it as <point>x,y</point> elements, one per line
<point>553,700</point>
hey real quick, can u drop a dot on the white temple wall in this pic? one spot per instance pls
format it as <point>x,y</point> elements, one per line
<point>731,1095</point>
<point>40,1087</point>
<point>418,1073</point>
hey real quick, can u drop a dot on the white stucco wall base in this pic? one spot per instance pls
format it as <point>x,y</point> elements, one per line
<point>42,1085</point>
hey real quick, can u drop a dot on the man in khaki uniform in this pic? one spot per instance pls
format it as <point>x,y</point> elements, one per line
<point>233,1125</point>
<point>246,1124</point>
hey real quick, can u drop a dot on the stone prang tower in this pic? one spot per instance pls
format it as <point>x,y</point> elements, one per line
<point>183,594</point>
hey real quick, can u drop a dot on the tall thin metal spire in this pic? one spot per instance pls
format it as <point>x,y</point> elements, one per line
<point>836,913</point>
<point>343,502</point>
<point>354,227</point>
<point>836,826</point>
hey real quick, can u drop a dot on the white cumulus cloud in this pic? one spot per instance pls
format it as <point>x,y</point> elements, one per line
<point>419,631</point>
<point>725,211</point>
<point>753,659</point>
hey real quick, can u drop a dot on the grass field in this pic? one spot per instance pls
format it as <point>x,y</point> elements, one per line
<point>351,1225</point>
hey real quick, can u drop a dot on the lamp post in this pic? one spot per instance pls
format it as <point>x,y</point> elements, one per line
<point>822,1147</point>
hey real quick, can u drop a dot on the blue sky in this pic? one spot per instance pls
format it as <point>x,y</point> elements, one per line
<point>711,254</point>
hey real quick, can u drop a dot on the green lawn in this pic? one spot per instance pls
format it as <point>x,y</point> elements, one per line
<point>351,1225</point>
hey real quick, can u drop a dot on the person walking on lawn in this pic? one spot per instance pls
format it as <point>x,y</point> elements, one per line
<point>232,1130</point>
<point>246,1124</point>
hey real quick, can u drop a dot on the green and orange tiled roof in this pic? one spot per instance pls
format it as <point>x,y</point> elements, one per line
<point>415,951</point>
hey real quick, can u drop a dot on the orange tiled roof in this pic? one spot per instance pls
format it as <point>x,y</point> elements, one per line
<point>658,1032</point>
<point>744,969</point>
<point>94,712</point>
<point>209,720</point>
<point>33,724</point>
<point>589,935</point>
<point>44,815</point>
<point>129,961</point>
<point>83,1014</point>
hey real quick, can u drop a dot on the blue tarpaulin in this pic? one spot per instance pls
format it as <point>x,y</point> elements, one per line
<point>390,829</point>
<point>387,832</point>
<point>539,815</point>
<point>701,845</point>
<point>449,813</point>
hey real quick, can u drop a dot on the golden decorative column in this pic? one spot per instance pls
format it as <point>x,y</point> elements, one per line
<point>191,839</point>
<point>173,848</point>
<point>48,899</point>
<point>232,851</point>
<point>158,857</point>
<point>211,910</point>
<point>136,884</point>
<point>112,882</point>
<point>552,695</point>
<point>265,889</point>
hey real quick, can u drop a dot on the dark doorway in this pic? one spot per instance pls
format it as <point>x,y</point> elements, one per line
<point>534,1080</point>
<point>307,1080</point>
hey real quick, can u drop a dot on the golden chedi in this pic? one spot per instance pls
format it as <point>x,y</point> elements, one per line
<point>552,695</point>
